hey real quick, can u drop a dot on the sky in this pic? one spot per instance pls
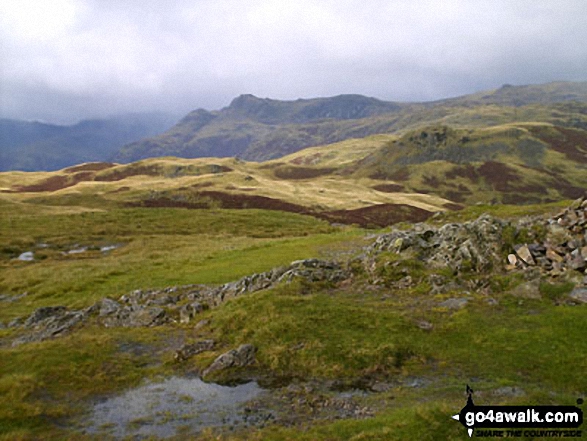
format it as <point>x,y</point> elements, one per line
<point>62,61</point>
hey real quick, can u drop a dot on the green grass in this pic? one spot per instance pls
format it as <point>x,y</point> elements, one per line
<point>50,382</point>
<point>535,346</point>
<point>159,248</point>
<point>353,334</point>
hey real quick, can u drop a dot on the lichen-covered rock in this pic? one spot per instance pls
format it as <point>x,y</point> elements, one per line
<point>108,307</point>
<point>189,350</point>
<point>49,322</point>
<point>579,295</point>
<point>472,245</point>
<point>243,356</point>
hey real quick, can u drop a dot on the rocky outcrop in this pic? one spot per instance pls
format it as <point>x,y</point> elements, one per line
<point>147,308</point>
<point>243,356</point>
<point>472,245</point>
<point>189,350</point>
<point>112,313</point>
<point>49,322</point>
<point>564,247</point>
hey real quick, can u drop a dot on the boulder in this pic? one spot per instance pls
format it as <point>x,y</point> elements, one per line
<point>579,295</point>
<point>454,303</point>
<point>48,323</point>
<point>189,350</point>
<point>108,307</point>
<point>41,314</point>
<point>187,312</point>
<point>524,253</point>
<point>527,290</point>
<point>151,316</point>
<point>244,355</point>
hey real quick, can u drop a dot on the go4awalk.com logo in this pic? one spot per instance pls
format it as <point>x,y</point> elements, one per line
<point>518,421</point>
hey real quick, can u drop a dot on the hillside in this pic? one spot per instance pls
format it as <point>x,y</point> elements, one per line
<point>261,129</point>
<point>129,298</point>
<point>373,181</point>
<point>32,146</point>
<point>512,163</point>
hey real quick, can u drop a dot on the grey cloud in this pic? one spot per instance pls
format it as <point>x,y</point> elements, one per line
<point>79,59</point>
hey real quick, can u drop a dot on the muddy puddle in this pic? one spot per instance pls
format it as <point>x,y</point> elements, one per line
<point>171,407</point>
<point>179,407</point>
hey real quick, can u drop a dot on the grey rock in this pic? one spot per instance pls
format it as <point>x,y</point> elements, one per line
<point>47,326</point>
<point>379,387</point>
<point>187,312</point>
<point>557,235</point>
<point>553,255</point>
<point>108,307</point>
<point>425,325</point>
<point>527,290</point>
<point>152,316</point>
<point>189,350</point>
<point>15,323</point>
<point>579,294</point>
<point>201,324</point>
<point>244,355</point>
<point>42,314</point>
<point>524,253</point>
<point>577,262</point>
<point>454,303</point>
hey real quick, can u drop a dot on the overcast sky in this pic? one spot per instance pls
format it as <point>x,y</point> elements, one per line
<point>66,60</point>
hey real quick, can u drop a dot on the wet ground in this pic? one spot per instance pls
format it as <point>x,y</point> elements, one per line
<point>180,406</point>
<point>176,404</point>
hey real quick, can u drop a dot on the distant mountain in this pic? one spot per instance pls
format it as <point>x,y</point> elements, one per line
<point>260,129</point>
<point>33,146</point>
<point>257,129</point>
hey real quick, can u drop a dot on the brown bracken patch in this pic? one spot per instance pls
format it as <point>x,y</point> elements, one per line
<point>90,166</point>
<point>388,188</point>
<point>53,183</point>
<point>307,160</point>
<point>401,174</point>
<point>296,173</point>
<point>455,196</point>
<point>463,171</point>
<point>128,171</point>
<point>431,181</point>
<point>452,206</point>
<point>83,176</point>
<point>572,143</point>
<point>498,175</point>
<point>377,215</point>
<point>368,217</point>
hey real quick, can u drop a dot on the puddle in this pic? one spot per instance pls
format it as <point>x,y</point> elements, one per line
<point>107,248</point>
<point>26,257</point>
<point>175,405</point>
<point>78,250</point>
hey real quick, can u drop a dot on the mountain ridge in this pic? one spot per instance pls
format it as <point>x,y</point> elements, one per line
<point>34,145</point>
<point>260,129</point>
